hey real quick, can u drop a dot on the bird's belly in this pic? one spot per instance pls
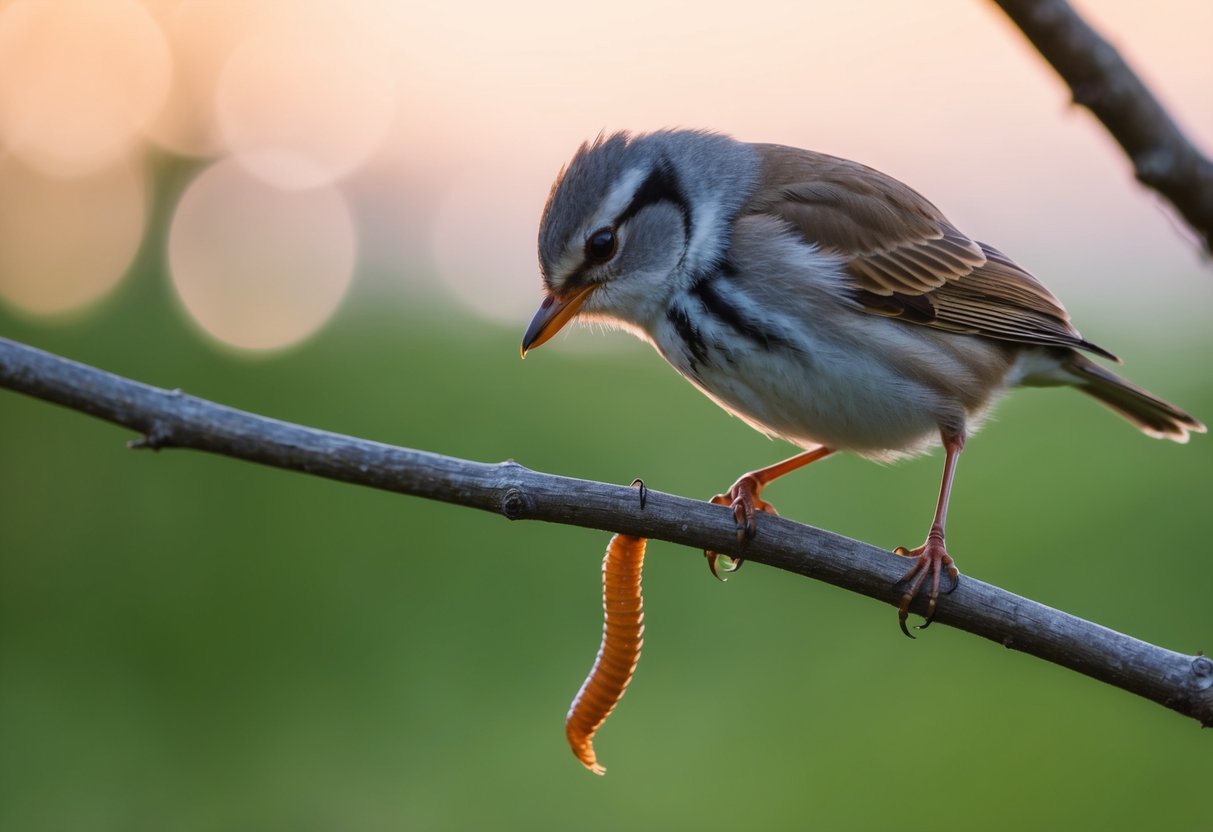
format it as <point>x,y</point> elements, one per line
<point>866,409</point>
<point>835,395</point>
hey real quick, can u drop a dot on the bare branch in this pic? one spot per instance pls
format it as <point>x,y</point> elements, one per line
<point>172,419</point>
<point>1101,80</point>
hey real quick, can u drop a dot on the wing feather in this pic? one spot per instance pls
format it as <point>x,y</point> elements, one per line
<point>903,258</point>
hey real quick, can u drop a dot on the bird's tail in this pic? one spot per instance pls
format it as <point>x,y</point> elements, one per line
<point>1150,414</point>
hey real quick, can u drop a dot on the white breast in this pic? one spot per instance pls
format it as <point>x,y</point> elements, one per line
<point>823,394</point>
<point>790,356</point>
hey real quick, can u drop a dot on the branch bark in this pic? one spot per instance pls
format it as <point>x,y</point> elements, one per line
<point>172,419</point>
<point>1099,78</point>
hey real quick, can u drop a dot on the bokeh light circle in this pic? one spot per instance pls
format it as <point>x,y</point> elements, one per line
<point>256,266</point>
<point>78,81</point>
<point>303,103</point>
<point>203,35</point>
<point>66,243</point>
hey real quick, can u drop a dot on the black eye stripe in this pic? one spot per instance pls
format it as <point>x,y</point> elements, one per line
<point>660,186</point>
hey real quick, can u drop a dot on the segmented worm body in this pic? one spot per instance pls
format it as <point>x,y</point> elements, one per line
<point>622,638</point>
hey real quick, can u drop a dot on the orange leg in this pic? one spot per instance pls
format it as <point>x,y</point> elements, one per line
<point>932,558</point>
<point>744,499</point>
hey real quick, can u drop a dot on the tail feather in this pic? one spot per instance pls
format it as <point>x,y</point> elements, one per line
<point>1153,416</point>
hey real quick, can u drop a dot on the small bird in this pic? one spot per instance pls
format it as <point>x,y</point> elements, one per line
<point>818,300</point>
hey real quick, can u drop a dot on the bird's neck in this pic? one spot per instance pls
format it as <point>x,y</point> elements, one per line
<point>717,175</point>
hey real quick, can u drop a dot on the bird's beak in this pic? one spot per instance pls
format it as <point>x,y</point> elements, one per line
<point>553,314</point>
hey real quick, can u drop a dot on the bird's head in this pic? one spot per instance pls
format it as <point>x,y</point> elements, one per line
<point>626,219</point>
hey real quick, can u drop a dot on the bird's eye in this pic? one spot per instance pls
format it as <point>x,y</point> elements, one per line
<point>601,245</point>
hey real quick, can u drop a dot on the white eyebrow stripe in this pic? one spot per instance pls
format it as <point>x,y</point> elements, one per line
<point>618,198</point>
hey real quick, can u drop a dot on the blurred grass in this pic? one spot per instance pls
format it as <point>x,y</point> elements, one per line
<point>189,642</point>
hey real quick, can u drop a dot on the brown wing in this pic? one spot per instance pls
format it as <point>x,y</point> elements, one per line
<point>904,259</point>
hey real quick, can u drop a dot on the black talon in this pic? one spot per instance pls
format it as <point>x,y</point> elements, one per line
<point>644,491</point>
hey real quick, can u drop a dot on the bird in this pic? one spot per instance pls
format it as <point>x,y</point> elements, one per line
<point>817,299</point>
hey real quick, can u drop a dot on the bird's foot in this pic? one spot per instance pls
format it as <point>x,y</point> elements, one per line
<point>931,558</point>
<point>743,499</point>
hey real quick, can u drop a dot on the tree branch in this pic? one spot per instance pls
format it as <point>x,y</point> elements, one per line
<point>172,419</point>
<point>1101,80</point>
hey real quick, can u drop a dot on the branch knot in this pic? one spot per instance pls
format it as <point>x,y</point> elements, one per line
<point>1202,673</point>
<point>516,504</point>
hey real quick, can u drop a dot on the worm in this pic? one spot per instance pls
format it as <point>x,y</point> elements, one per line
<point>622,638</point>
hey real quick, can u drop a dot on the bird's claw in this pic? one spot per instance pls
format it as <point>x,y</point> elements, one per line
<point>638,483</point>
<point>931,558</point>
<point>743,499</point>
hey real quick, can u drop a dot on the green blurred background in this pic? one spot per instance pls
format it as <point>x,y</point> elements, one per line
<point>190,642</point>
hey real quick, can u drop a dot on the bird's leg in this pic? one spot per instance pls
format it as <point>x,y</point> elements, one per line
<point>932,558</point>
<point>743,498</point>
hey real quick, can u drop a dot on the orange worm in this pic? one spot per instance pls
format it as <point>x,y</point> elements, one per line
<point>622,638</point>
